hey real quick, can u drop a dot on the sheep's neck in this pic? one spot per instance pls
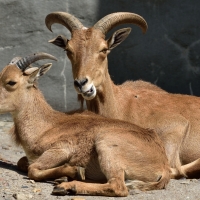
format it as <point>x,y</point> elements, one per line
<point>32,117</point>
<point>105,101</point>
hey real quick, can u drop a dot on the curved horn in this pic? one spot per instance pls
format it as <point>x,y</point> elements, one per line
<point>14,60</point>
<point>23,63</point>
<point>66,19</point>
<point>110,21</point>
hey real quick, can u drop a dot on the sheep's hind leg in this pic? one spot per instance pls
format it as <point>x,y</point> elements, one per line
<point>23,164</point>
<point>52,164</point>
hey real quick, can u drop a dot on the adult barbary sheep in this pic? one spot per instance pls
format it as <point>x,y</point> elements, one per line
<point>111,151</point>
<point>174,117</point>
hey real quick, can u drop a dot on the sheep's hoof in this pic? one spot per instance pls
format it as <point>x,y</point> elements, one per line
<point>23,164</point>
<point>60,180</point>
<point>61,191</point>
<point>80,176</point>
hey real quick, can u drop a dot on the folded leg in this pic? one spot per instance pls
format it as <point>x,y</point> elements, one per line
<point>190,170</point>
<point>52,164</point>
<point>114,187</point>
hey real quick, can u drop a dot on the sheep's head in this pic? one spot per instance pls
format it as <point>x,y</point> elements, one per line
<point>18,77</point>
<point>87,49</point>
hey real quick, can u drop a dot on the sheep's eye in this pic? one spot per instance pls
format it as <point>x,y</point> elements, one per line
<point>104,51</point>
<point>11,83</point>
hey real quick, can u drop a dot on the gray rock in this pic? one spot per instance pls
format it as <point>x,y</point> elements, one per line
<point>21,196</point>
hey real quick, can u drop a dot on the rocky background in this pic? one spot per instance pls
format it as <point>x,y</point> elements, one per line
<point>167,55</point>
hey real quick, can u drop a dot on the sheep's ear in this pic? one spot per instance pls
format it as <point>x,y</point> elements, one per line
<point>60,41</point>
<point>39,72</point>
<point>118,37</point>
<point>30,70</point>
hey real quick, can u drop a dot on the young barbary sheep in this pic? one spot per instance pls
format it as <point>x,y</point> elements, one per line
<point>174,117</point>
<point>56,144</point>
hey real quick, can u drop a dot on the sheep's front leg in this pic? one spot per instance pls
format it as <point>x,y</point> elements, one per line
<point>52,164</point>
<point>115,187</point>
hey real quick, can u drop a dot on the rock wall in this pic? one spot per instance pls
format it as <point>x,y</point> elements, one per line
<point>167,55</point>
<point>23,32</point>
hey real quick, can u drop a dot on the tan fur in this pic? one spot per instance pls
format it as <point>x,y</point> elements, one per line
<point>174,117</point>
<point>56,144</point>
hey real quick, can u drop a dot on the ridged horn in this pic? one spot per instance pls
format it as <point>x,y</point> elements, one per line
<point>23,63</point>
<point>63,18</point>
<point>110,21</point>
<point>14,60</point>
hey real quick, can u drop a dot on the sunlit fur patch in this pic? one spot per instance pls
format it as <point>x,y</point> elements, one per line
<point>84,28</point>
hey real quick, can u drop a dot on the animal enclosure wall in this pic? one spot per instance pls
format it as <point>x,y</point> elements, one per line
<point>167,55</point>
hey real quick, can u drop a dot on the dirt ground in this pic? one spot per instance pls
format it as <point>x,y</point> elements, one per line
<point>16,185</point>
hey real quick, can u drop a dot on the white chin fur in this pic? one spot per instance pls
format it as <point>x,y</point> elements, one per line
<point>90,95</point>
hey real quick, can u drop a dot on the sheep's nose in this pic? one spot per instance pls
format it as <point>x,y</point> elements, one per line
<point>80,83</point>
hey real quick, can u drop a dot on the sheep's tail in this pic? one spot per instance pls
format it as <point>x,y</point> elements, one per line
<point>145,186</point>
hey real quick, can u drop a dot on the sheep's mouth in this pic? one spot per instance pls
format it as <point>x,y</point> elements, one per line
<point>89,94</point>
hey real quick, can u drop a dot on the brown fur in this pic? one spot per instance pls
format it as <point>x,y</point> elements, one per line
<point>57,144</point>
<point>174,117</point>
